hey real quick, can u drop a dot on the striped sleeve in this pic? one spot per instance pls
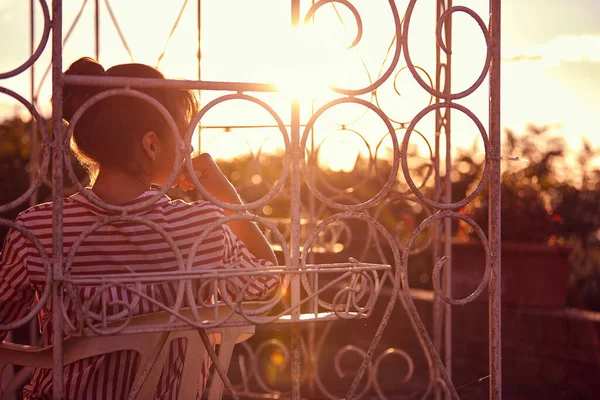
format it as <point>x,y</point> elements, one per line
<point>16,292</point>
<point>236,255</point>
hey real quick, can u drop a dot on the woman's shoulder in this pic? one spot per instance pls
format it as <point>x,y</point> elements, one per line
<point>36,212</point>
<point>198,207</point>
<point>42,211</point>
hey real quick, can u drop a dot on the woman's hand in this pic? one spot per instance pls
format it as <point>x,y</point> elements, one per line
<point>212,179</point>
<point>218,185</point>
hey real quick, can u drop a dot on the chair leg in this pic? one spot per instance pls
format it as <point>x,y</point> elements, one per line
<point>228,340</point>
<point>17,381</point>
<point>144,384</point>
<point>192,367</point>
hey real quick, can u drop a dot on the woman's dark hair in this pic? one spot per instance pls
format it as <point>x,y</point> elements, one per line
<point>107,132</point>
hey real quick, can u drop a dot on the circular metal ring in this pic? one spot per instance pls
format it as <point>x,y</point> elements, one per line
<point>438,266</point>
<point>322,177</point>
<point>168,118</point>
<point>396,233</point>
<point>405,170</point>
<point>397,91</point>
<point>41,46</point>
<point>89,315</point>
<point>442,19</point>
<point>238,306</point>
<point>43,298</point>
<point>430,168</point>
<point>286,166</point>
<point>333,219</point>
<point>393,64</point>
<point>352,9</point>
<point>46,148</point>
<point>395,165</point>
<point>399,353</point>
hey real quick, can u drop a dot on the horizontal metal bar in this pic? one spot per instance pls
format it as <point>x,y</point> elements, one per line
<point>106,81</point>
<point>245,126</point>
<point>178,326</point>
<point>176,275</point>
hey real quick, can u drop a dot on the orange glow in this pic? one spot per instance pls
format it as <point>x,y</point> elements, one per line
<point>254,41</point>
<point>306,64</point>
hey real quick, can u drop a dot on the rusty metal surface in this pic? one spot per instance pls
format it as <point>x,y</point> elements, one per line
<point>58,151</point>
<point>321,218</point>
<point>495,285</point>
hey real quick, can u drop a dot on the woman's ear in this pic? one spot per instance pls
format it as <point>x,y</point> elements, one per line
<point>151,145</point>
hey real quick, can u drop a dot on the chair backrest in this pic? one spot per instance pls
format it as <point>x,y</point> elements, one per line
<point>152,347</point>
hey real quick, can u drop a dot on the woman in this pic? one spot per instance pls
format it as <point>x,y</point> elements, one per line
<point>127,146</point>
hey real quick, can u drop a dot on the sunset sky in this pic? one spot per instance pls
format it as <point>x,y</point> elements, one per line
<point>550,51</point>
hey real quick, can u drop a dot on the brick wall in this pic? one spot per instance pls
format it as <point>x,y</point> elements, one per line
<point>546,353</point>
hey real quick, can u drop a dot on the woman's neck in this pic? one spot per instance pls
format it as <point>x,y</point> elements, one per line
<point>116,186</point>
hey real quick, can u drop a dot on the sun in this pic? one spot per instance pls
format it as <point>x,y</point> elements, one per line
<point>307,62</point>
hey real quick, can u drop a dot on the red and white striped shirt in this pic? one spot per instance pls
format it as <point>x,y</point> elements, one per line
<point>121,247</point>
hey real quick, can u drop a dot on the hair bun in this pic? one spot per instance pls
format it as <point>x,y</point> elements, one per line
<point>75,95</point>
<point>85,66</point>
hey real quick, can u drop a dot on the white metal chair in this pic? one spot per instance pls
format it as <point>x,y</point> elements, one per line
<point>152,347</point>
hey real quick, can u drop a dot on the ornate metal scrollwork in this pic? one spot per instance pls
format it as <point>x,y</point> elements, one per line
<point>347,248</point>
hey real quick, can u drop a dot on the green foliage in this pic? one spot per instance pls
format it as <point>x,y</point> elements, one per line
<point>14,140</point>
<point>524,216</point>
<point>544,200</point>
<point>547,197</point>
<point>551,198</point>
<point>15,151</point>
<point>16,165</point>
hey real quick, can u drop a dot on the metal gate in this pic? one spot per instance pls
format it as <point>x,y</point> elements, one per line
<point>321,216</point>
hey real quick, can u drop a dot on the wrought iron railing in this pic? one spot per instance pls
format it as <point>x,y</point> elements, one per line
<point>322,218</point>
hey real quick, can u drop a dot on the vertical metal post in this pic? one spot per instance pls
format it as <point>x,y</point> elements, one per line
<point>295,232</point>
<point>57,200</point>
<point>437,241</point>
<point>295,250</point>
<point>199,60</point>
<point>443,312</point>
<point>447,279</point>
<point>97,28</point>
<point>33,155</point>
<point>437,234</point>
<point>199,31</point>
<point>495,285</point>
<point>313,278</point>
<point>447,121</point>
<point>33,143</point>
